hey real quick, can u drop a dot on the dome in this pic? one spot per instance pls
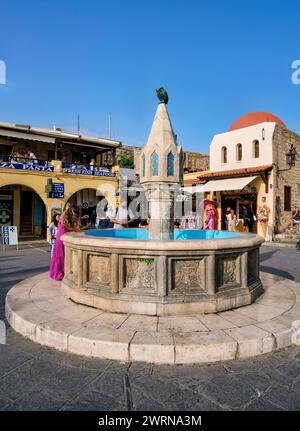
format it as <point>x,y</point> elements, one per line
<point>255,118</point>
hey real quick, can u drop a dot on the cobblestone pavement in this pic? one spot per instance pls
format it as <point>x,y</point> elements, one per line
<point>37,378</point>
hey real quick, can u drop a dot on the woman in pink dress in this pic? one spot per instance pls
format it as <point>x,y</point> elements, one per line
<point>69,222</point>
<point>211,215</point>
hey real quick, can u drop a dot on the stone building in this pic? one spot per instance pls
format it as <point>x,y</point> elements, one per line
<point>255,163</point>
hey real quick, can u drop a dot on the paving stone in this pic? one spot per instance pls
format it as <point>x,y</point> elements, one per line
<point>75,361</point>
<point>200,347</point>
<point>215,322</point>
<point>180,324</point>
<point>237,319</point>
<point>290,368</point>
<point>259,312</point>
<point>284,398</point>
<point>152,387</point>
<point>11,358</point>
<point>38,400</point>
<point>56,333</point>
<point>227,392</point>
<point>261,404</point>
<point>281,332</point>
<point>147,404</point>
<point>137,322</point>
<point>109,320</point>
<point>93,401</point>
<point>154,347</point>
<point>252,341</point>
<point>5,405</point>
<point>107,344</point>
<point>259,381</point>
<point>111,383</point>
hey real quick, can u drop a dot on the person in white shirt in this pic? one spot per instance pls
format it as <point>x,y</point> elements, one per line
<point>103,214</point>
<point>122,217</point>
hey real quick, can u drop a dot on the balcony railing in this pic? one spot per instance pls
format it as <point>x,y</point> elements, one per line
<point>87,169</point>
<point>30,164</point>
<point>24,161</point>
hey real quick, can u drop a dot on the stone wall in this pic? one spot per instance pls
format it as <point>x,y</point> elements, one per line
<point>282,139</point>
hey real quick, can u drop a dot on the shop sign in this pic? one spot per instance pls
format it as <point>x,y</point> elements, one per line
<point>26,167</point>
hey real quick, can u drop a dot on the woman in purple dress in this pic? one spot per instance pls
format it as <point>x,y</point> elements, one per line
<point>69,222</point>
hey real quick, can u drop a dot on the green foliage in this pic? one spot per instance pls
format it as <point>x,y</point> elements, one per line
<point>147,261</point>
<point>126,161</point>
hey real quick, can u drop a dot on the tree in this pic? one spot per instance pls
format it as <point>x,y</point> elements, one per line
<point>126,161</point>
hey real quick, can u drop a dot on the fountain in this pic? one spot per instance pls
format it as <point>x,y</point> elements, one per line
<point>147,294</point>
<point>161,271</point>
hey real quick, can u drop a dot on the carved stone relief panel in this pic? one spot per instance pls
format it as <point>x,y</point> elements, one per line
<point>99,269</point>
<point>139,273</point>
<point>187,275</point>
<point>228,272</point>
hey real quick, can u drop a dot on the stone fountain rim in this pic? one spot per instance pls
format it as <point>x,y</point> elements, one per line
<point>245,240</point>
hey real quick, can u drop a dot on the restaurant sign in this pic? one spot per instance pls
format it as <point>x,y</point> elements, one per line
<point>96,173</point>
<point>26,167</point>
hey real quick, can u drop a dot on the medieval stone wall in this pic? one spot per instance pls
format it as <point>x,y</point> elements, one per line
<point>285,176</point>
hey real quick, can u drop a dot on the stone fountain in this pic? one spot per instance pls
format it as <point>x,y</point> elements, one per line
<point>160,271</point>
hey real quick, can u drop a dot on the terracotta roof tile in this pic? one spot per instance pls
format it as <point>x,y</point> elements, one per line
<point>233,172</point>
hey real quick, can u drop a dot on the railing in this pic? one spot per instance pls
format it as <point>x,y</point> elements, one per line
<point>18,159</point>
<point>81,169</point>
<point>31,164</point>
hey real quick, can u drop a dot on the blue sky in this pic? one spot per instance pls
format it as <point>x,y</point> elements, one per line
<point>217,60</point>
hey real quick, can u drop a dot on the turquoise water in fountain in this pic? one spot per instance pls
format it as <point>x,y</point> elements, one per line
<point>179,234</point>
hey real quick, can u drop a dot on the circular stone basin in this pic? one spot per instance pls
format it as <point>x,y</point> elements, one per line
<point>179,234</point>
<point>198,272</point>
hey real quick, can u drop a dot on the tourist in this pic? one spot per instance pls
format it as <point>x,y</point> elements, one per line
<point>248,218</point>
<point>263,218</point>
<point>69,222</point>
<point>231,220</point>
<point>211,217</point>
<point>53,227</point>
<point>103,213</point>
<point>92,164</point>
<point>228,209</point>
<point>30,155</point>
<point>122,217</point>
<point>295,220</point>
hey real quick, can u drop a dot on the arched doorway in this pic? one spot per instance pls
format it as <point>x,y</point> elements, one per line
<point>21,206</point>
<point>86,200</point>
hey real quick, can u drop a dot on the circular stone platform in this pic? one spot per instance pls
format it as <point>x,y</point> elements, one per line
<point>37,309</point>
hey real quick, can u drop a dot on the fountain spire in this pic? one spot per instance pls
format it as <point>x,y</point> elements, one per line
<point>161,168</point>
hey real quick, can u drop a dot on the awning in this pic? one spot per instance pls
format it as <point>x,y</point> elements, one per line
<point>228,184</point>
<point>197,188</point>
<point>28,136</point>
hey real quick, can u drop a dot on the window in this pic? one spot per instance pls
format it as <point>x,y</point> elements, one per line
<point>224,155</point>
<point>287,198</point>
<point>170,163</point>
<point>255,149</point>
<point>143,165</point>
<point>154,164</point>
<point>239,152</point>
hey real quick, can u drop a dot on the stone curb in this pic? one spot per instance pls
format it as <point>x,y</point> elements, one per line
<point>37,309</point>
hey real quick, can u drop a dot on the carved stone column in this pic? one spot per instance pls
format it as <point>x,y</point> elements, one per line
<point>114,266</point>
<point>211,274</point>
<point>162,275</point>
